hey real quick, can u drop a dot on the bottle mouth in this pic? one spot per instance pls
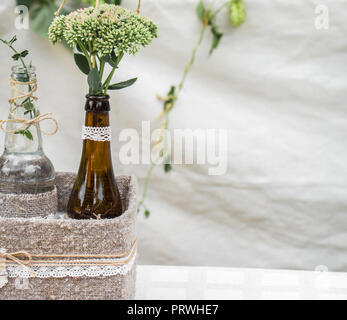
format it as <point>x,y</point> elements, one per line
<point>98,98</point>
<point>96,103</point>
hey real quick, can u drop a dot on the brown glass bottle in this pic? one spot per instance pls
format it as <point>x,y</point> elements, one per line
<point>95,194</point>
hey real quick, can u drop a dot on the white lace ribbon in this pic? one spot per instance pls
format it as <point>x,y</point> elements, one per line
<point>73,271</point>
<point>96,133</point>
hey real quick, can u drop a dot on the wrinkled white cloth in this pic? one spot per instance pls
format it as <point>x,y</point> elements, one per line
<point>277,84</point>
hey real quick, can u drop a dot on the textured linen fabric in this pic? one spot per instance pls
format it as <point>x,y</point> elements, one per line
<point>29,205</point>
<point>74,237</point>
<point>277,84</point>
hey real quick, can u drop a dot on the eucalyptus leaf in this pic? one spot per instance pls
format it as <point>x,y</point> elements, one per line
<point>122,85</point>
<point>24,53</point>
<point>82,63</point>
<point>16,56</point>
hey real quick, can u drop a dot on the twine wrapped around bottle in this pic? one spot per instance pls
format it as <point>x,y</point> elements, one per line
<point>19,94</point>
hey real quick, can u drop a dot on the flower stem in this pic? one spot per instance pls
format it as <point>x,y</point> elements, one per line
<point>85,52</point>
<point>108,80</point>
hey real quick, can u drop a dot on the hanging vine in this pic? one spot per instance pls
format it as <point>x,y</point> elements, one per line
<point>207,14</point>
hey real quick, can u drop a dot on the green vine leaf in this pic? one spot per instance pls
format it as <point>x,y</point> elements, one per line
<point>217,37</point>
<point>200,10</point>
<point>82,63</point>
<point>122,85</point>
<point>147,213</point>
<point>95,86</point>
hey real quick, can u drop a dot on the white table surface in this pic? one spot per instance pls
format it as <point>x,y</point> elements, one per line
<point>181,283</point>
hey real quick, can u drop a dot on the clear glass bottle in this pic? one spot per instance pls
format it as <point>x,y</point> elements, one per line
<point>24,168</point>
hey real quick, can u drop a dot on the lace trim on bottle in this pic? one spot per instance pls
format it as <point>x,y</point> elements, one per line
<point>96,133</point>
<point>73,271</point>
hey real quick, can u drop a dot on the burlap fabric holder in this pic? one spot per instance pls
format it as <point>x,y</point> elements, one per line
<point>40,205</point>
<point>70,259</point>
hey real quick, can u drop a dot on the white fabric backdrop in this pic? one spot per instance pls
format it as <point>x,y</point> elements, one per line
<point>277,84</point>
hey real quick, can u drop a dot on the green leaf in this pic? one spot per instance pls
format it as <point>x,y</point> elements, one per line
<point>217,37</point>
<point>29,107</point>
<point>25,133</point>
<point>171,97</point>
<point>111,60</point>
<point>82,63</point>
<point>78,48</point>
<point>26,3</point>
<point>24,53</point>
<point>167,167</point>
<point>16,56</point>
<point>122,85</point>
<point>29,135</point>
<point>41,17</point>
<point>95,86</point>
<point>200,10</point>
<point>12,40</point>
<point>147,213</point>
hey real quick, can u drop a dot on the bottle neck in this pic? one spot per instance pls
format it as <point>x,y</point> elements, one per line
<point>96,150</point>
<point>97,119</point>
<point>22,138</point>
<point>97,111</point>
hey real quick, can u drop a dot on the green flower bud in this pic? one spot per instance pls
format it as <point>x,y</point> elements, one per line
<point>237,12</point>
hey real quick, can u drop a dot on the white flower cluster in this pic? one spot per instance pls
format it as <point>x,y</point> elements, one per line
<point>106,29</point>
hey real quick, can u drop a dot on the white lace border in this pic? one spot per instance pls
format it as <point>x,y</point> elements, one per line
<point>73,271</point>
<point>96,133</point>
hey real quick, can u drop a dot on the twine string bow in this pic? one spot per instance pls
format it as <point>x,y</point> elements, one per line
<point>18,95</point>
<point>35,121</point>
<point>16,258</point>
